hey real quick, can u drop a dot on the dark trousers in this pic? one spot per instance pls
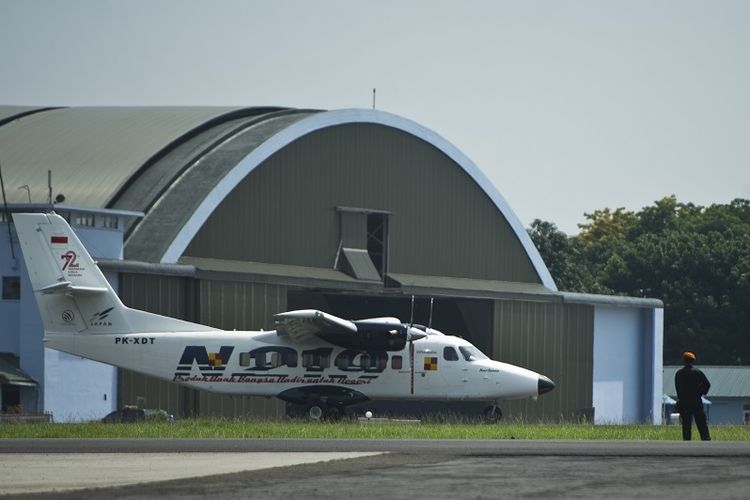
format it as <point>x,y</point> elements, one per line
<point>700,423</point>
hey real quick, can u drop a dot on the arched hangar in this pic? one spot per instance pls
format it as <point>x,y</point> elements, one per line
<point>226,216</point>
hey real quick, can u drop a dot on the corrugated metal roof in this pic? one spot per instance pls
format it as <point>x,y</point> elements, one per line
<point>91,152</point>
<point>200,175</point>
<point>726,381</point>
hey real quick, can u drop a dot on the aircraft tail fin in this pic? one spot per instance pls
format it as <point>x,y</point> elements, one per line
<point>73,295</point>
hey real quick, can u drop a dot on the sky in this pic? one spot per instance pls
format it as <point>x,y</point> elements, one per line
<point>566,106</point>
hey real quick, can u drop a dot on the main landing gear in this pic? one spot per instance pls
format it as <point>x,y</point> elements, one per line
<point>320,402</point>
<point>492,414</point>
<point>315,411</point>
<point>324,412</point>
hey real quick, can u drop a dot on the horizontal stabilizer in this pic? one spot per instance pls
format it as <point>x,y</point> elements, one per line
<point>68,287</point>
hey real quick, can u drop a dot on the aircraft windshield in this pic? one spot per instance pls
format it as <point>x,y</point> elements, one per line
<point>471,353</point>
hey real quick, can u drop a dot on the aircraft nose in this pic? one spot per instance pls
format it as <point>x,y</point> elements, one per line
<point>544,385</point>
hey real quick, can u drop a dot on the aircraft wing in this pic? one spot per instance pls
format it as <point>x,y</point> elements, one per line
<point>307,324</point>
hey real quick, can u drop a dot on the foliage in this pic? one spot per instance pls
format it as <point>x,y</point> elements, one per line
<point>695,259</point>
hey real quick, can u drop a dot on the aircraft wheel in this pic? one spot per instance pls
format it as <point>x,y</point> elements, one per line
<point>493,414</point>
<point>315,412</point>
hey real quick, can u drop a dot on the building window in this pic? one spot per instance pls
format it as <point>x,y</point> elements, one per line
<point>11,399</point>
<point>377,241</point>
<point>84,220</point>
<point>363,245</point>
<point>109,221</point>
<point>11,288</point>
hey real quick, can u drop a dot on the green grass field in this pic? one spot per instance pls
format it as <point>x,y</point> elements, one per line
<point>249,429</point>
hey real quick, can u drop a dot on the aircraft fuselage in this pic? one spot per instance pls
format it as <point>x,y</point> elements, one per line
<point>265,364</point>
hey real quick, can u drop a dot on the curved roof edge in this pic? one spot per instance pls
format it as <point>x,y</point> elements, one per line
<point>11,113</point>
<point>340,117</point>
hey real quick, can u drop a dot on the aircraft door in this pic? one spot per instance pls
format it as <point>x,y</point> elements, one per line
<point>453,369</point>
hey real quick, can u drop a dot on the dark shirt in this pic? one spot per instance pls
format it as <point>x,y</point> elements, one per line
<point>691,384</point>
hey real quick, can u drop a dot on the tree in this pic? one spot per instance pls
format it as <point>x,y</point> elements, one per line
<point>695,259</point>
<point>559,253</point>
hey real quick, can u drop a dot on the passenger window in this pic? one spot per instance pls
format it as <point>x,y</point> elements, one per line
<point>344,362</point>
<point>382,362</point>
<point>317,359</point>
<point>397,362</point>
<point>274,360</point>
<point>364,361</point>
<point>450,354</point>
<point>244,359</point>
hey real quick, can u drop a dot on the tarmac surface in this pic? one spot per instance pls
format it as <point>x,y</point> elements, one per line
<point>283,469</point>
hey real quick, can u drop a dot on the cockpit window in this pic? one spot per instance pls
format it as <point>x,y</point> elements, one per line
<point>471,353</point>
<point>450,354</point>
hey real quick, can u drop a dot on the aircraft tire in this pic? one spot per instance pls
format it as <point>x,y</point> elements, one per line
<point>315,412</point>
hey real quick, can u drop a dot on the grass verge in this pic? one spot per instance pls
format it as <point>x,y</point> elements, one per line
<point>250,429</point>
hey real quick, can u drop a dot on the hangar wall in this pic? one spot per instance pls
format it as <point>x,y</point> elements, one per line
<point>221,304</point>
<point>551,337</point>
<point>370,167</point>
<point>554,339</point>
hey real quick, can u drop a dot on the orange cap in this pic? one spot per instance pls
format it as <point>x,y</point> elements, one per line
<point>688,357</point>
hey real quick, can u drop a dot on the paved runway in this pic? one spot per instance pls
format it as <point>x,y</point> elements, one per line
<point>397,469</point>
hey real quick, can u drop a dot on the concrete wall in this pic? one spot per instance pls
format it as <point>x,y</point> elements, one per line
<point>627,365</point>
<point>77,389</point>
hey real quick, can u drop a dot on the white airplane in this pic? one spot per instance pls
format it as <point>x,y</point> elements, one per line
<point>313,358</point>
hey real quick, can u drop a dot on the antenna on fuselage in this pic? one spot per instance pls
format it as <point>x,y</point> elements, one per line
<point>429,323</point>
<point>411,347</point>
<point>411,319</point>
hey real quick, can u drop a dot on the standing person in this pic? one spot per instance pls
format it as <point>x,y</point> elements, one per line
<point>691,384</point>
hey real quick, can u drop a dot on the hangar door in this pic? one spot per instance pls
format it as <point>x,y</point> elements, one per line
<point>467,318</point>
